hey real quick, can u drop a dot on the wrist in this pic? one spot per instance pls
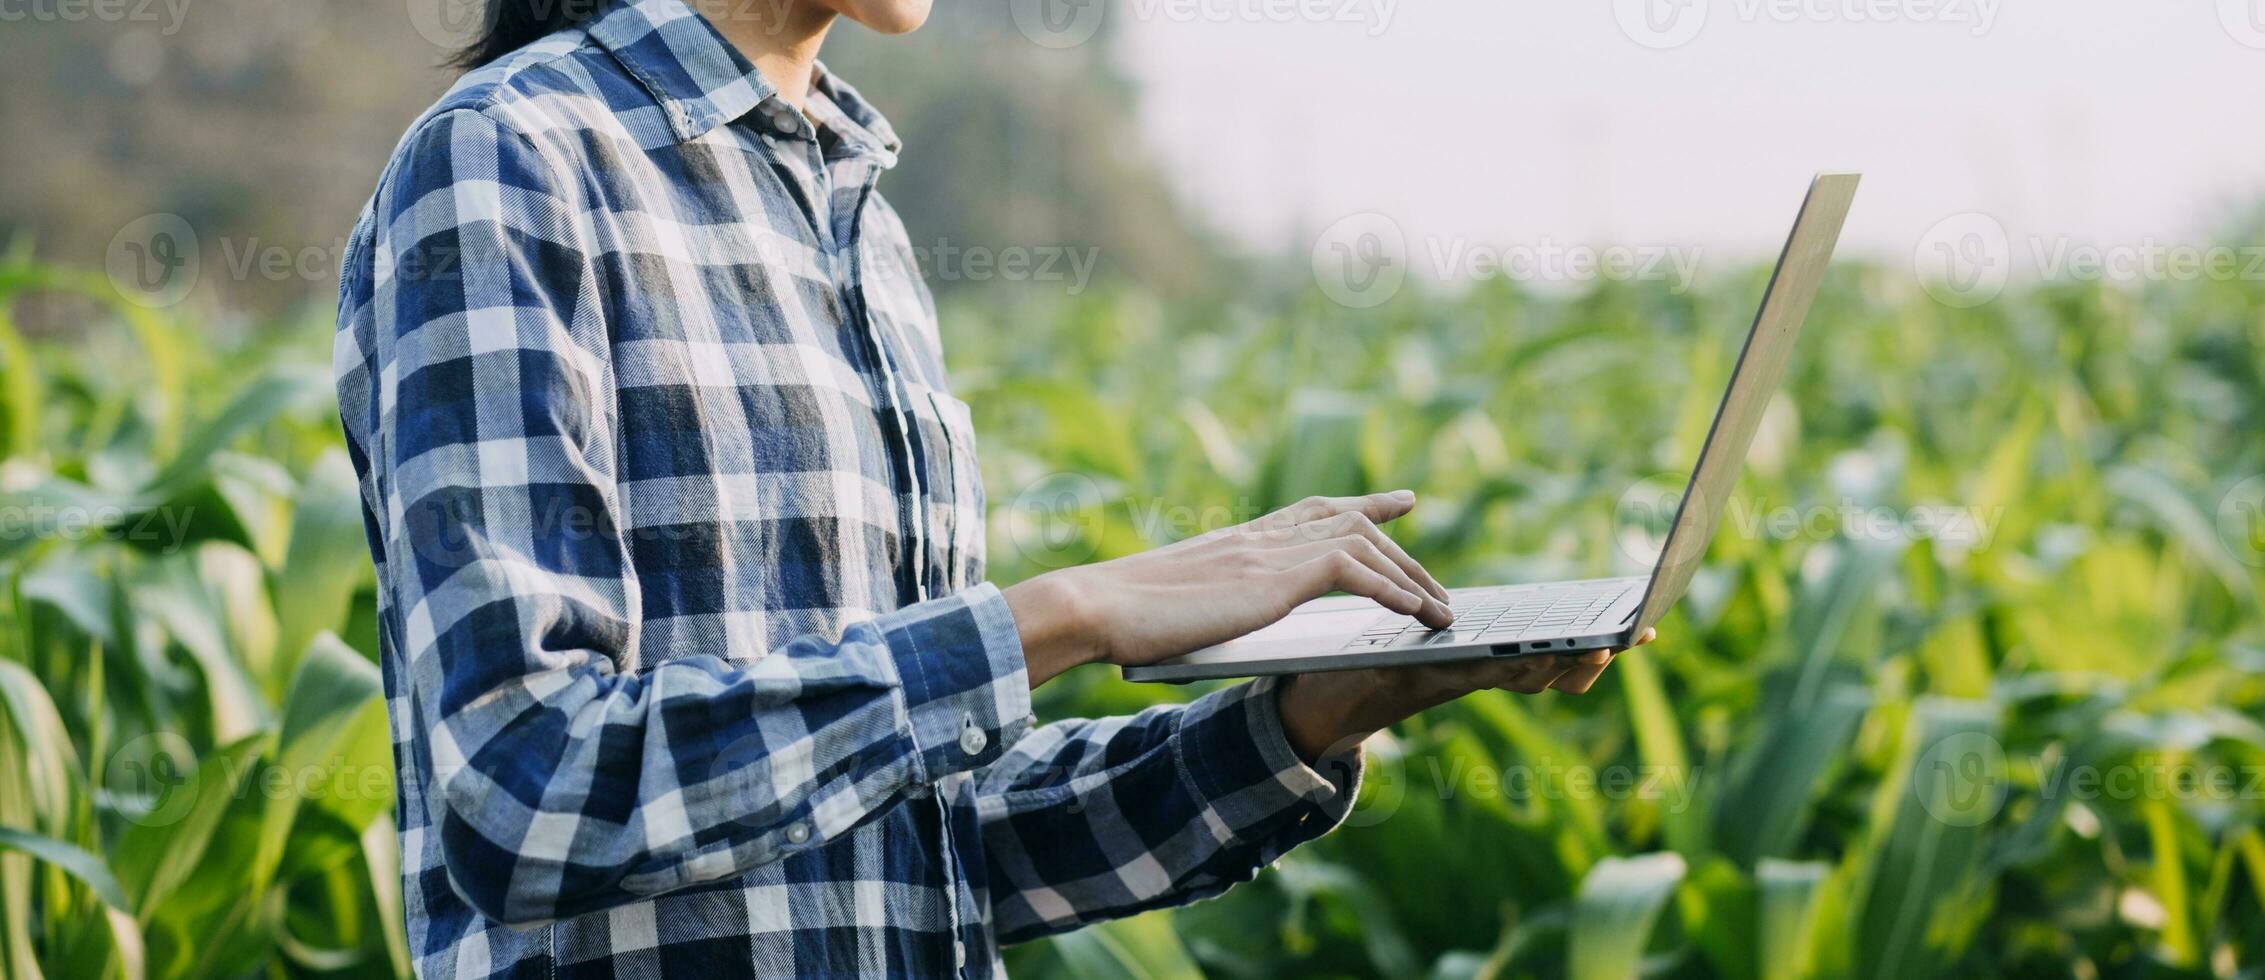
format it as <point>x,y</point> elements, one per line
<point>1050,620</point>
<point>1322,714</point>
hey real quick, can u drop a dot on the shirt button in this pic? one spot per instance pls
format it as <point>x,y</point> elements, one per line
<point>796,833</point>
<point>971,739</point>
<point>959,954</point>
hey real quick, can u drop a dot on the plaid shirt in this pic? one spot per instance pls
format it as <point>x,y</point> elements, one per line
<point>690,663</point>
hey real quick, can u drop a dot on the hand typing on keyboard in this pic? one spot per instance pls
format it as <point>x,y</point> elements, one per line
<point>1217,586</point>
<point>1503,615</point>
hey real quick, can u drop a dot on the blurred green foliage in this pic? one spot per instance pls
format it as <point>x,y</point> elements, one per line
<point>1861,747</point>
<point>1852,752</point>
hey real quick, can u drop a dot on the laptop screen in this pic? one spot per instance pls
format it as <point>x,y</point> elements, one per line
<point>1800,268</point>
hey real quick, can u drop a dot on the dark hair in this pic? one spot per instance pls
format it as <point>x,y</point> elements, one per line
<point>513,24</point>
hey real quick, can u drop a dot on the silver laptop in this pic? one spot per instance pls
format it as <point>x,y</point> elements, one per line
<point>1345,632</point>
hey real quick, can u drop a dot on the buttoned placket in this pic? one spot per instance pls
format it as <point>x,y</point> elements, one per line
<point>843,264</point>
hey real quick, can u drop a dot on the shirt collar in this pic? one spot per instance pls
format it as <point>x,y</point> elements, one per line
<point>861,128</point>
<point>701,81</point>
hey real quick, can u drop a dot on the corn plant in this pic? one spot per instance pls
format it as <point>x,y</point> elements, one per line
<point>1862,748</point>
<point>195,778</point>
<point>1857,751</point>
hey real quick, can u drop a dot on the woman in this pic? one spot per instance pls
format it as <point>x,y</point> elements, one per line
<point>690,659</point>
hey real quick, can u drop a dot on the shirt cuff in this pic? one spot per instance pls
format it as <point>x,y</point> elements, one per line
<point>1235,755</point>
<point>960,667</point>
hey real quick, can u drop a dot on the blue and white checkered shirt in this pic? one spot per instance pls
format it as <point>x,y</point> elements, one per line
<point>690,662</point>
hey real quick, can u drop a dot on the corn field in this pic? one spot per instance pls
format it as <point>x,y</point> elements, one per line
<point>1972,682</point>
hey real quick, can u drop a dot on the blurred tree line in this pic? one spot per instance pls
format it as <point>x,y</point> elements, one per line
<point>264,124</point>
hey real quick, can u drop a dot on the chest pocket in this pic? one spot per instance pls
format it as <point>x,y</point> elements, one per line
<point>955,512</point>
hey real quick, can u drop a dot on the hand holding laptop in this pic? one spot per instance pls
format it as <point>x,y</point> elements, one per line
<point>1210,589</point>
<point>1250,600</point>
<point>1328,712</point>
<point>1554,619</point>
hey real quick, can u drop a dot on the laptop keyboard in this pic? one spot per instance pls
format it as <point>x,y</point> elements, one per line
<point>1505,614</point>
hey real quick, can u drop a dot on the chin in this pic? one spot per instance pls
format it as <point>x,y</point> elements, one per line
<point>885,16</point>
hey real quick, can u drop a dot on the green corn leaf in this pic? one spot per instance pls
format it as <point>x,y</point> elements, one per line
<point>1720,915</point>
<point>1614,912</point>
<point>1139,948</point>
<point>1659,742</point>
<point>1321,455</point>
<point>381,853</point>
<point>1788,894</point>
<point>162,846</point>
<point>190,616</point>
<point>89,951</point>
<point>1918,894</point>
<point>44,789</point>
<point>22,386</point>
<point>326,561</point>
<point>75,590</point>
<point>75,861</point>
<point>1387,946</point>
<point>2167,864</point>
<point>257,404</point>
<point>1773,787</point>
<point>332,698</point>
<point>2184,521</point>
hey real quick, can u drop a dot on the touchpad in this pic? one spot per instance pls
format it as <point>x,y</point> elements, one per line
<point>1306,626</point>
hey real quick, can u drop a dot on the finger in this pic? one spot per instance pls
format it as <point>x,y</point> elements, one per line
<point>1526,675</point>
<point>1584,673</point>
<point>1336,571</point>
<point>1354,522</point>
<point>1545,672</point>
<point>1434,613</point>
<point>1379,507</point>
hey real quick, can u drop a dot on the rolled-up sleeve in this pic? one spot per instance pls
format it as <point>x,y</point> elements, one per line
<point>1086,821</point>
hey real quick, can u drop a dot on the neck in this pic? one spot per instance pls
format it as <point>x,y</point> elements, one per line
<point>781,40</point>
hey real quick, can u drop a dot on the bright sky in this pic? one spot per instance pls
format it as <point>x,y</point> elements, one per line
<point>2114,125</point>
